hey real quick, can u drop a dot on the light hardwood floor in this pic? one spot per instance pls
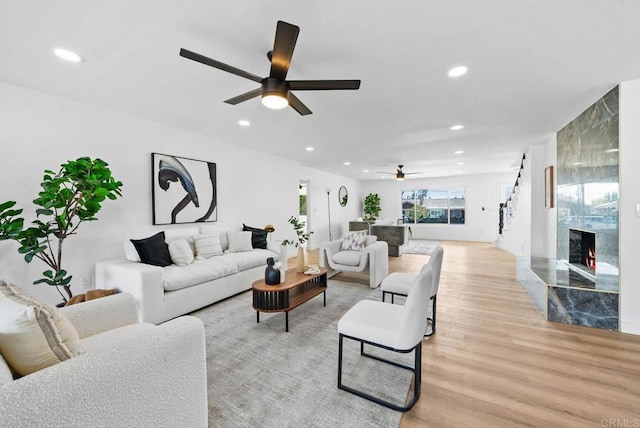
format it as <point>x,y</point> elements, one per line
<point>495,362</point>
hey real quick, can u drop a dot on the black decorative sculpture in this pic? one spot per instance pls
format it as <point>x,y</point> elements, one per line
<point>271,274</point>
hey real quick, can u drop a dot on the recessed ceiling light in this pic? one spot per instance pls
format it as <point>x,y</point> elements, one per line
<point>347,163</point>
<point>458,152</point>
<point>457,71</point>
<point>67,55</point>
<point>457,127</point>
<point>244,123</point>
<point>309,149</point>
<point>612,150</point>
<point>459,172</point>
<point>365,170</point>
<point>460,163</point>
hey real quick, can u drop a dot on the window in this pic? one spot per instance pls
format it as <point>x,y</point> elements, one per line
<point>439,206</point>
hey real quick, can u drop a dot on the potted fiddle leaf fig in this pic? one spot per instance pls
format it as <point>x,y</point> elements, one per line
<point>371,207</point>
<point>68,198</point>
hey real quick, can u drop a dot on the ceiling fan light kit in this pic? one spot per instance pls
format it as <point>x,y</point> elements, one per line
<point>275,90</point>
<point>274,93</point>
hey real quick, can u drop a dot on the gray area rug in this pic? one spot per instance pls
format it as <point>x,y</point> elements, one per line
<point>420,246</point>
<point>261,376</point>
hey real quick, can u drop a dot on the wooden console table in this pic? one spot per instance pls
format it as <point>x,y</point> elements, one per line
<point>294,291</point>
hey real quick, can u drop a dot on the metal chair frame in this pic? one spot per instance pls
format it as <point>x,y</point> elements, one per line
<point>432,320</point>
<point>416,369</point>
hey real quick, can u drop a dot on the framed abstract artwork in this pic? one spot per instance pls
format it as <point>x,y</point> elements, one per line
<point>183,190</point>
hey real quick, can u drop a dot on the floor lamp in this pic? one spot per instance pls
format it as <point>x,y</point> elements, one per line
<point>329,211</point>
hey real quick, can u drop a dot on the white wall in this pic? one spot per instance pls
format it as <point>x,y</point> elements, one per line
<point>40,131</point>
<point>481,191</point>
<point>629,200</point>
<point>319,205</point>
<point>543,220</point>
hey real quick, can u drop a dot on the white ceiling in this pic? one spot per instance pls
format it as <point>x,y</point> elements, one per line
<point>533,66</point>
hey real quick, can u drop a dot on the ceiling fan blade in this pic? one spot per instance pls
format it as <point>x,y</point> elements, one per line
<point>323,85</point>
<point>244,97</point>
<point>219,65</point>
<point>298,106</point>
<point>383,172</point>
<point>412,173</point>
<point>285,42</point>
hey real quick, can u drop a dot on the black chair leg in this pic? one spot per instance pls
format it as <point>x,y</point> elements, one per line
<point>416,369</point>
<point>433,320</point>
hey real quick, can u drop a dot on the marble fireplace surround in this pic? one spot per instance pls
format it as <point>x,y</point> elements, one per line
<point>587,199</point>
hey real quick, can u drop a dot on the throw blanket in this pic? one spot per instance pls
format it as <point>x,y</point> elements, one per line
<point>89,295</point>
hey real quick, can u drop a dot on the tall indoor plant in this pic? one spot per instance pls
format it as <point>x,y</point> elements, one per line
<point>68,198</point>
<point>301,238</point>
<point>371,207</point>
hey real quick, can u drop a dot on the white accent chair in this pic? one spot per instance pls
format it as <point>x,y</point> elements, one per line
<point>399,283</point>
<point>131,374</point>
<point>372,260</point>
<point>398,328</point>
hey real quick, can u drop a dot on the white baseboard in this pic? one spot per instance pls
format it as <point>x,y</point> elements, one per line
<point>630,326</point>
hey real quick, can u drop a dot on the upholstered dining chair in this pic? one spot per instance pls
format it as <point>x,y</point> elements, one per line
<point>398,283</point>
<point>398,328</point>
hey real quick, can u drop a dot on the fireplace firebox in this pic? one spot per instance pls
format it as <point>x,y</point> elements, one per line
<point>582,250</point>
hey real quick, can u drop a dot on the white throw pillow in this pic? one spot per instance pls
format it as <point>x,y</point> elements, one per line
<point>354,241</point>
<point>33,335</point>
<point>239,241</point>
<point>207,245</point>
<point>181,252</point>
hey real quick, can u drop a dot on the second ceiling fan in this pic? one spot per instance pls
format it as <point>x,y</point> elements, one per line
<point>275,90</point>
<point>399,173</point>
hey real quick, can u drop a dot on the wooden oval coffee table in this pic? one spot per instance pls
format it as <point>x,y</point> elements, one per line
<point>294,291</point>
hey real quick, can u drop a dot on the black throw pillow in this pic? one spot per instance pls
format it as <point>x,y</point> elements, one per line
<point>258,236</point>
<point>153,250</point>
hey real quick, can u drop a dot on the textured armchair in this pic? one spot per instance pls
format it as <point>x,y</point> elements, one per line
<point>130,375</point>
<point>372,260</point>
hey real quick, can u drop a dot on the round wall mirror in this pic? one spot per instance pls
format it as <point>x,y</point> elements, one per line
<point>343,196</point>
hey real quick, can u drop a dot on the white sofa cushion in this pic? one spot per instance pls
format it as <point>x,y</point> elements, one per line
<point>177,277</point>
<point>347,258</point>
<point>223,231</point>
<point>181,252</point>
<point>207,245</point>
<point>239,242</point>
<point>5,372</point>
<point>33,334</point>
<point>250,259</point>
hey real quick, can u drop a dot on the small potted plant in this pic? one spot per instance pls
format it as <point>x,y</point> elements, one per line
<point>301,238</point>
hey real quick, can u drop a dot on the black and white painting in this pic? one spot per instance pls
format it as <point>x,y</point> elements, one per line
<point>183,190</point>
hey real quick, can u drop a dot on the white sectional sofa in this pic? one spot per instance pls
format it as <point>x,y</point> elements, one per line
<point>130,374</point>
<point>163,293</point>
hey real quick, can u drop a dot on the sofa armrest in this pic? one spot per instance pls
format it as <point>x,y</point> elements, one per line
<point>378,253</point>
<point>279,249</point>
<point>157,378</point>
<point>99,315</point>
<point>327,250</point>
<point>144,282</point>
